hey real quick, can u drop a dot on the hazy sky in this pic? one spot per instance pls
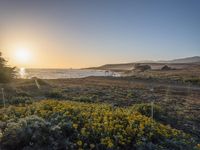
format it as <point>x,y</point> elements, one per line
<point>72,33</point>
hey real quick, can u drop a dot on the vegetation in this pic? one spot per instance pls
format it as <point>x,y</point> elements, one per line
<point>21,100</point>
<point>29,123</point>
<point>145,109</point>
<point>192,81</point>
<point>51,124</point>
<point>6,73</point>
<point>178,107</point>
<point>54,94</point>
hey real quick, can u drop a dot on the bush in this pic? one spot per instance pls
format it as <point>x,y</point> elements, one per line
<point>160,114</point>
<point>87,99</point>
<point>34,132</point>
<point>56,94</point>
<point>6,73</point>
<point>145,109</point>
<point>26,131</point>
<point>20,100</point>
<point>192,80</point>
<point>22,94</point>
<point>75,125</point>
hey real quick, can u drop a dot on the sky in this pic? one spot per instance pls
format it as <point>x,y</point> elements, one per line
<point>85,33</point>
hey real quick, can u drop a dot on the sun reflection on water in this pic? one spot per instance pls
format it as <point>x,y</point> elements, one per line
<point>22,73</point>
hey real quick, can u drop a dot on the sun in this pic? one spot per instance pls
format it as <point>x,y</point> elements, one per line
<point>22,55</point>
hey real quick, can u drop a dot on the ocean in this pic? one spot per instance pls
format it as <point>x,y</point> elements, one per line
<point>62,73</point>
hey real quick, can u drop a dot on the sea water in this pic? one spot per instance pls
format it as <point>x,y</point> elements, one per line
<point>62,73</point>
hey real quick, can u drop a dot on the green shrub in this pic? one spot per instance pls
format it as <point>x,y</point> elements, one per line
<point>75,125</point>
<point>26,131</point>
<point>145,109</point>
<point>22,94</point>
<point>83,98</point>
<point>6,73</point>
<point>192,80</point>
<point>55,94</point>
<point>34,132</point>
<point>20,100</point>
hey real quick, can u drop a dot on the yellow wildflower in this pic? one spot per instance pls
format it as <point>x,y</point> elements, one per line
<point>75,126</point>
<point>92,145</point>
<point>79,143</point>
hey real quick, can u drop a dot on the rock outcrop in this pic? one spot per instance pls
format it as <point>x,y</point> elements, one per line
<point>142,67</point>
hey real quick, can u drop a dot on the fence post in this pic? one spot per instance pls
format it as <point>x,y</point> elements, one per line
<point>152,109</point>
<point>152,103</point>
<point>37,84</point>
<point>3,97</point>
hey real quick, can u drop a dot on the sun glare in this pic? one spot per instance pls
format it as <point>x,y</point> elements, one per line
<point>22,55</point>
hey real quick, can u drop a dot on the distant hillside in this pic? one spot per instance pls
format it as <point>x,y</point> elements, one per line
<point>176,63</point>
<point>195,59</point>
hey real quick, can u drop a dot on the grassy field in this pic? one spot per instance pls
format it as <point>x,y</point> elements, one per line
<point>175,123</point>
